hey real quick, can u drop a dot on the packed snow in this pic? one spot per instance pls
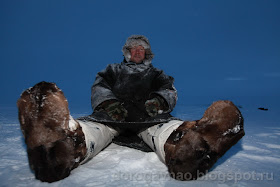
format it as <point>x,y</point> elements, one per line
<point>253,161</point>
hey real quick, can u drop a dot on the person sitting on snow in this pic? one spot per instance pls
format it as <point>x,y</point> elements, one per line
<point>132,91</point>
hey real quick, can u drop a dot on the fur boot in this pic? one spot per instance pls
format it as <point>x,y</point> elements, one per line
<point>194,147</point>
<point>55,141</point>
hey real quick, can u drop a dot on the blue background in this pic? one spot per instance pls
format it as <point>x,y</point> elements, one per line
<point>214,49</point>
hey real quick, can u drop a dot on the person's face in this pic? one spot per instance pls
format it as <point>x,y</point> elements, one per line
<point>137,54</point>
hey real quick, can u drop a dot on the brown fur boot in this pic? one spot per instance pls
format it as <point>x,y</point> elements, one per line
<point>194,147</point>
<point>54,146</point>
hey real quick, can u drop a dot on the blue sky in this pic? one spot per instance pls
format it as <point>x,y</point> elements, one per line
<point>220,48</point>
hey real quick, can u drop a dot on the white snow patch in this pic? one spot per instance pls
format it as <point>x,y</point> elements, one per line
<point>73,124</point>
<point>77,159</point>
<point>273,146</point>
<point>260,158</point>
<point>234,130</point>
<point>253,148</point>
<point>264,134</point>
<point>274,128</point>
<point>160,111</point>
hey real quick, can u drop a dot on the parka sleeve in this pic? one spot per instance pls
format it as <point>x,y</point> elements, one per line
<point>164,85</point>
<point>101,89</point>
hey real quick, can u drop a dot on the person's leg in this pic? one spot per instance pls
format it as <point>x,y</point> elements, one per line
<point>56,143</point>
<point>191,148</point>
<point>97,137</point>
<point>156,136</point>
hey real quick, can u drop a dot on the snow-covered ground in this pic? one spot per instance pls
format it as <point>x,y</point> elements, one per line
<point>254,161</point>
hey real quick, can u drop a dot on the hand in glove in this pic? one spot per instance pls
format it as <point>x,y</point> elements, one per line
<point>154,106</point>
<point>115,110</point>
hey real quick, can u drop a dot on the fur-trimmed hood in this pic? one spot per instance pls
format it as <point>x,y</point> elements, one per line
<point>136,40</point>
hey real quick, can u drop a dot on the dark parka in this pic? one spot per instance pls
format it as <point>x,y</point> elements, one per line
<point>133,84</point>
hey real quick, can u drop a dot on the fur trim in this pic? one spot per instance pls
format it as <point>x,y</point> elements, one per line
<point>136,40</point>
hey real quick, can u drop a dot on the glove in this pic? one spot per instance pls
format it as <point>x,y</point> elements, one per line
<point>115,110</point>
<point>154,106</point>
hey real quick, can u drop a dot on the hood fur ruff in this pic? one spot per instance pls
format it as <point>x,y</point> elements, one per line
<point>136,40</point>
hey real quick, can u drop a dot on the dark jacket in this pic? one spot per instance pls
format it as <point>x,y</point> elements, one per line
<point>133,84</point>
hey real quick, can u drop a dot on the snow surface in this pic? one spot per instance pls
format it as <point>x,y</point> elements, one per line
<point>254,161</point>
